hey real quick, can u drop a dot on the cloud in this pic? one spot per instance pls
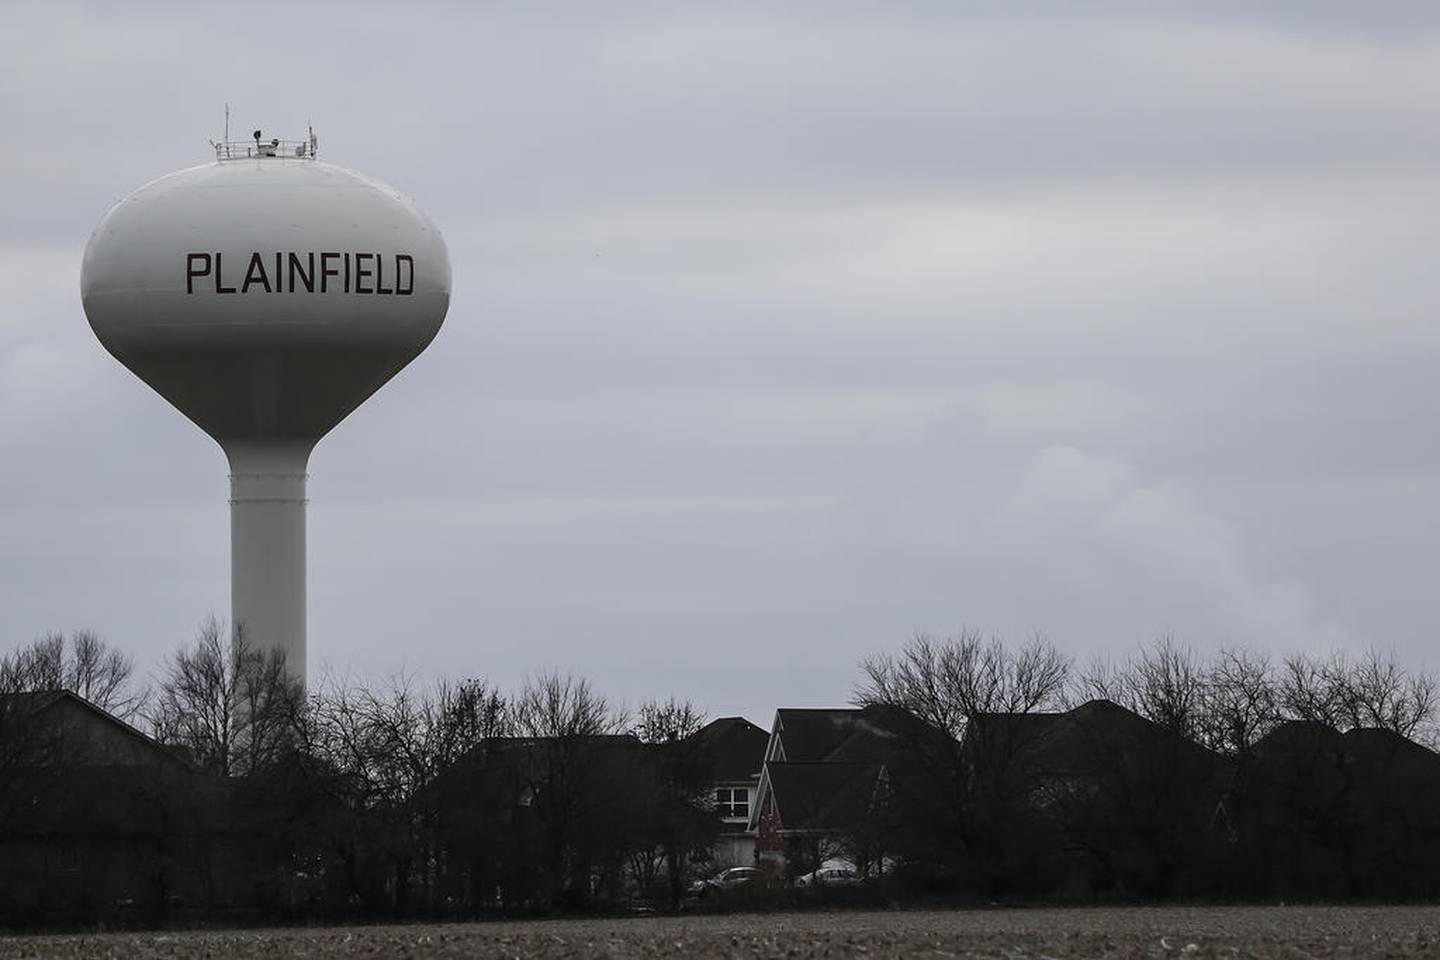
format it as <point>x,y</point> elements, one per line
<point>778,333</point>
<point>1088,530</point>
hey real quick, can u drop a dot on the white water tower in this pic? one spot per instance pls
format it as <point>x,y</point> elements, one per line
<point>266,295</point>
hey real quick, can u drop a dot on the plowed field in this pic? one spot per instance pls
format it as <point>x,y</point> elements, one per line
<point>1291,932</point>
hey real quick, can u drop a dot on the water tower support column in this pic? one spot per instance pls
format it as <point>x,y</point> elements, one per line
<point>267,545</point>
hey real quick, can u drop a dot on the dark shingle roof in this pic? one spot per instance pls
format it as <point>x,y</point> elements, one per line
<point>870,735</point>
<point>811,735</point>
<point>1297,737</point>
<point>992,738</point>
<point>823,796</point>
<point>1377,774</point>
<point>39,705</point>
<point>1016,727</point>
<point>734,748</point>
<point>1090,740</point>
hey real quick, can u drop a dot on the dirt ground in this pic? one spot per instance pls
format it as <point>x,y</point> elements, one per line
<point>1290,932</point>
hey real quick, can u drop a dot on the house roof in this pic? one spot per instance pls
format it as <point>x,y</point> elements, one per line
<point>1090,739</point>
<point>1370,767</point>
<point>1392,769</point>
<point>822,796</point>
<point>1387,745</point>
<point>527,757</point>
<point>1019,728</point>
<point>871,734</point>
<point>1072,738</point>
<point>32,704</point>
<point>1294,738</point>
<point>734,748</point>
<point>995,739</point>
<point>1366,747</point>
<point>810,735</point>
<point>1299,738</point>
<point>827,762</point>
<point>529,749</point>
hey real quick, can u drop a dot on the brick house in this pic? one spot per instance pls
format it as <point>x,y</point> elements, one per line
<point>829,785</point>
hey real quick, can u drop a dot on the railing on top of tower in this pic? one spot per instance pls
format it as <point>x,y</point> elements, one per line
<point>258,147</point>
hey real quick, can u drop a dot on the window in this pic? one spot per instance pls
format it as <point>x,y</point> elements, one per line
<point>69,857</point>
<point>733,802</point>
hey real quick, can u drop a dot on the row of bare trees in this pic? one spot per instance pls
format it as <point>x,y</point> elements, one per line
<point>1231,700</point>
<point>82,663</point>
<point>405,797</point>
<point>1227,700</point>
<point>456,796</point>
<point>1173,768</point>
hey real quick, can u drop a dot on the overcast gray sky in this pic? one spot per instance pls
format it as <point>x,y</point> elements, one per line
<point>779,333</point>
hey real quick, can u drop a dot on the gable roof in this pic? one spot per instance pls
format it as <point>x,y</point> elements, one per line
<point>1371,750</point>
<point>822,796</point>
<point>1297,737</point>
<point>811,735</point>
<point>1090,739</point>
<point>1391,769</point>
<point>873,734</point>
<point>1375,744</point>
<point>1016,728</point>
<point>1319,766</point>
<point>34,704</point>
<point>822,766</point>
<point>734,748</point>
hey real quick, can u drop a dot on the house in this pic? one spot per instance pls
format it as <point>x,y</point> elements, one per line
<point>1094,798</point>
<point>507,810</point>
<point>539,821</point>
<point>97,819</point>
<point>840,783</point>
<point>1316,812</point>
<point>732,751</point>
<point>816,811</point>
<point>1083,752</point>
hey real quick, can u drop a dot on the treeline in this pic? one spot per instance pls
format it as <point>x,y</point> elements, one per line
<point>358,800</point>
<point>1008,771</point>
<point>1166,774</point>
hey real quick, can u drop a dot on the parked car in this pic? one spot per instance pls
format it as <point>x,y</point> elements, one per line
<point>829,876</point>
<point>728,879</point>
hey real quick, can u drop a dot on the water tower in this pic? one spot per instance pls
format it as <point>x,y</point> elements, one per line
<point>266,295</point>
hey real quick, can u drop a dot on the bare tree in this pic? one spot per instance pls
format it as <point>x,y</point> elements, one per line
<point>666,721</point>
<point>385,748</point>
<point>1162,681</point>
<point>1316,690</point>
<point>575,781</point>
<point>1387,696</point>
<point>1241,701</point>
<point>683,819</point>
<point>465,714</point>
<point>1375,691</point>
<point>459,814</point>
<point>83,664</point>
<point>966,699</point>
<point>394,740</point>
<point>231,706</point>
<point>946,683</point>
<point>560,705</point>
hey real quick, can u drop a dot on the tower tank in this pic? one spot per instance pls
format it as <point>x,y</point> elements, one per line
<point>266,295</point>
